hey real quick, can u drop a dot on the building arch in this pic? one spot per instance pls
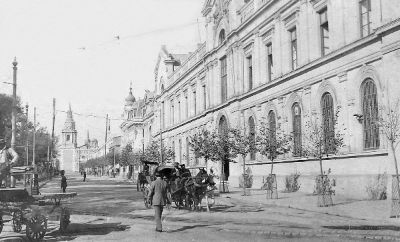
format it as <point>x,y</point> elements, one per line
<point>327,87</point>
<point>293,99</point>
<point>270,106</point>
<point>219,116</point>
<point>222,26</point>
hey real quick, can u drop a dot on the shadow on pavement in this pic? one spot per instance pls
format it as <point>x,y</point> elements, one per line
<point>187,228</point>
<point>365,227</point>
<point>78,229</point>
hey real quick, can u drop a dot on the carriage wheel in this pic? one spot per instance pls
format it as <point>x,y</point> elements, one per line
<point>36,228</point>
<point>17,218</point>
<point>64,219</point>
<point>1,223</point>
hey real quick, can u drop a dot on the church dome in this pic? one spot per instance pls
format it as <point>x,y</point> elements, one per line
<point>130,98</point>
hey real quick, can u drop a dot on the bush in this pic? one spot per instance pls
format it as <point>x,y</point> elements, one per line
<point>377,189</point>
<point>291,182</point>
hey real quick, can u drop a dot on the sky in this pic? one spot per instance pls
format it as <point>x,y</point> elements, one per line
<point>86,53</point>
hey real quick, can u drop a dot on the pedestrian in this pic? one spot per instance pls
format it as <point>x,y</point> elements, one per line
<point>8,157</point>
<point>63,181</point>
<point>84,176</point>
<point>158,197</point>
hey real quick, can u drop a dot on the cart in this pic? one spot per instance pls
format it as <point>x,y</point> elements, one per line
<point>20,208</point>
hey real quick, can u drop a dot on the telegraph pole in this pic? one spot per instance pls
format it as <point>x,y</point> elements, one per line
<point>52,131</point>
<point>27,135</point>
<point>34,139</point>
<point>161,144</point>
<point>14,103</point>
<point>105,141</point>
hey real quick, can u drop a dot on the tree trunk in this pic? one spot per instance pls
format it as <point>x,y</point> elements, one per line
<point>244,172</point>
<point>320,166</point>
<point>272,167</point>
<point>396,167</point>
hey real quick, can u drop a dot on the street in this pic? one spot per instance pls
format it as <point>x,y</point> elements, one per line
<point>110,210</point>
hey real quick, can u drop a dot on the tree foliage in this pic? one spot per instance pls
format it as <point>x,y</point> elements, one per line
<point>25,133</point>
<point>319,143</point>
<point>203,144</point>
<point>152,153</point>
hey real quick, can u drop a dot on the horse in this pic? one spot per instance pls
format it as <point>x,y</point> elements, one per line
<point>197,188</point>
<point>141,181</point>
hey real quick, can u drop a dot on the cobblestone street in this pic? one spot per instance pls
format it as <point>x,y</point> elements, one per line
<point>111,210</point>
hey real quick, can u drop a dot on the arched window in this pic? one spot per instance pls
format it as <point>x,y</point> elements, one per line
<point>328,121</point>
<point>296,115</point>
<point>221,37</point>
<point>272,132</point>
<point>187,151</point>
<point>370,114</point>
<point>222,126</point>
<point>252,134</point>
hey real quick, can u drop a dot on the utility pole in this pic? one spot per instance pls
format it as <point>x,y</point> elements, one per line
<point>34,139</point>
<point>27,135</point>
<point>14,103</point>
<point>105,141</point>
<point>52,131</point>
<point>27,140</point>
<point>161,143</point>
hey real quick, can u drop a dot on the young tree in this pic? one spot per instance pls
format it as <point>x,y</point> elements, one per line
<point>242,144</point>
<point>203,145</point>
<point>271,142</point>
<point>224,150</point>
<point>152,153</point>
<point>389,123</point>
<point>322,141</point>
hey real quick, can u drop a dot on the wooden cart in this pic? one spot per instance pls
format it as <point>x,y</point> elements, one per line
<point>21,208</point>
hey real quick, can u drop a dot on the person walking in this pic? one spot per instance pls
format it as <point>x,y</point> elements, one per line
<point>63,181</point>
<point>8,157</point>
<point>84,176</point>
<point>158,197</point>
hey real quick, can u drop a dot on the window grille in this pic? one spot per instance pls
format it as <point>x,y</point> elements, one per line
<point>328,122</point>
<point>370,114</point>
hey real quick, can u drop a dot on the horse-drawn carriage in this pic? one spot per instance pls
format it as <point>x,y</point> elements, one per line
<point>20,207</point>
<point>186,190</point>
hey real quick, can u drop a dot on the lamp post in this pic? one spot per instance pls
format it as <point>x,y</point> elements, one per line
<point>14,103</point>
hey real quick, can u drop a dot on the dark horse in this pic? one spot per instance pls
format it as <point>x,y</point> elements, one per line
<point>197,188</point>
<point>141,181</point>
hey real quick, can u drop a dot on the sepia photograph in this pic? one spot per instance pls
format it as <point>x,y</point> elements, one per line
<point>199,120</point>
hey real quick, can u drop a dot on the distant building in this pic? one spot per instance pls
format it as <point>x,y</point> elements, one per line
<point>68,155</point>
<point>72,155</point>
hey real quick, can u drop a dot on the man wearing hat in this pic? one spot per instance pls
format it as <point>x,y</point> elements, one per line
<point>158,197</point>
<point>8,157</point>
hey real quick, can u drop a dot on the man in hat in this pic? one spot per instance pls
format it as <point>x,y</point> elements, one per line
<point>158,197</point>
<point>185,172</point>
<point>8,157</point>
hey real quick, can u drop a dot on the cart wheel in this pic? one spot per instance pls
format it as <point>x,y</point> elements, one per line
<point>64,219</point>
<point>17,218</point>
<point>1,223</point>
<point>36,228</point>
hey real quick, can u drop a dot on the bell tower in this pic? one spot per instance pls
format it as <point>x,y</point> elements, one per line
<point>69,139</point>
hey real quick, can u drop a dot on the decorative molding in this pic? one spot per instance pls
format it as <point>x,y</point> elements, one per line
<point>342,77</point>
<point>319,4</point>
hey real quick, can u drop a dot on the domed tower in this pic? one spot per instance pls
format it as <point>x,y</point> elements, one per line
<point>130,100</point>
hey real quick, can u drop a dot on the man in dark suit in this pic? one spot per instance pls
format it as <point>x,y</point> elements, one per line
<point>159,198</point>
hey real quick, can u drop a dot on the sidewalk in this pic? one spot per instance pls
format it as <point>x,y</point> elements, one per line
<point>373,212</point>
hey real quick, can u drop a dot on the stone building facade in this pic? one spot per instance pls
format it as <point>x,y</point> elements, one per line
<point>285,61</point>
